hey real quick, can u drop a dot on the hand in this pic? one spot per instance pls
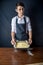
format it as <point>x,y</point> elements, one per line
<point>30,41</point>
<point>13,41</point>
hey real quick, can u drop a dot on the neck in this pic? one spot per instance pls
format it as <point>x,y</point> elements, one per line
<point>20,16</point>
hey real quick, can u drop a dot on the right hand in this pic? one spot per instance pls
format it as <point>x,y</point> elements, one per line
<point>13,41</point>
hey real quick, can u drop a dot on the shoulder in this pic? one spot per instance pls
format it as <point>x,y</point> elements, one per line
<point>14,18</point>
<point>27,18</point>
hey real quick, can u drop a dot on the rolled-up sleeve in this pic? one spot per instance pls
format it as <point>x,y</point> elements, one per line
<point>13,25</point>
<point>28,25</point>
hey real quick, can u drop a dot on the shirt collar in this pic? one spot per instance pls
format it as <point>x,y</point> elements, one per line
<point>21,17</point>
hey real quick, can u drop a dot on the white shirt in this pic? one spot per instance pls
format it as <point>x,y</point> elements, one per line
<point>20,21</point>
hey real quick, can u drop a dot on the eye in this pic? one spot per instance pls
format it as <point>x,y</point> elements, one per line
<point>21,9</point>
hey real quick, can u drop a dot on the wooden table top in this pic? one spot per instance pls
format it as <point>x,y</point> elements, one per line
<point>8,56</point>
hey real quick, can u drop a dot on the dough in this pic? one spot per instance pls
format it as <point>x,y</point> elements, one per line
<point>22,44</point>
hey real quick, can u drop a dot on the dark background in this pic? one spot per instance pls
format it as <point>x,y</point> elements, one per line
<point>34,9</point>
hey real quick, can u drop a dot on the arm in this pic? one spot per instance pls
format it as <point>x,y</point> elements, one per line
<point>29,29</point>
<point>13,31</point>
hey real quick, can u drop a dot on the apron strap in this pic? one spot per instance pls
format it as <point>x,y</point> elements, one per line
<point>16,20</point>
<point>24,20</point>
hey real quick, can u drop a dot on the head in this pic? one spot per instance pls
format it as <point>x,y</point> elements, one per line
<point>20,8</point>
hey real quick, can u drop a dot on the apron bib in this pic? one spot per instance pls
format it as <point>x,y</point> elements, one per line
<point>21,31</point>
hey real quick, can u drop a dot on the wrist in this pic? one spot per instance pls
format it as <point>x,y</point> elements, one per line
<point>30,38</point>
<point>13,38</point>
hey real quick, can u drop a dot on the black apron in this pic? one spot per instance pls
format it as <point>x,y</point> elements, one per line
<point>21,31</point>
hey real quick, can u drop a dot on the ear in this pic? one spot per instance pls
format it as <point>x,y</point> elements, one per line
<point>16,10</point>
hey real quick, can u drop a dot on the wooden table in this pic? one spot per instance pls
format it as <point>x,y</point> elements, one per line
<point>8,56</point>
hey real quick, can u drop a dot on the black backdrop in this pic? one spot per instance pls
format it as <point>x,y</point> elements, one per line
<point>34,9</point>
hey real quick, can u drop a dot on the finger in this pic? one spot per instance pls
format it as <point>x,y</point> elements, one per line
<point>11,42</point>
<point>30,42</point>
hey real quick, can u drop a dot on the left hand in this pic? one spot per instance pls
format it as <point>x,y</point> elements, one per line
<point>30,41</point>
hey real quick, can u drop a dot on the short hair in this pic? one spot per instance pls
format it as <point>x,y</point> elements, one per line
<point>20,4</point>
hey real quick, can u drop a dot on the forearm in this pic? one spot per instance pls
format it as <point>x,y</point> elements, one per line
<point>30,34</point>
<point>13,38</point>
<point>12,35</point>
<point>30,37</point>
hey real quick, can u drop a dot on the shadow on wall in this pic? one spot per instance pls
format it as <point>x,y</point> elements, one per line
<point>35,12</point>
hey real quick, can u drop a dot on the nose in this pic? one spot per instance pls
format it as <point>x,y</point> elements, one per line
<point>22,10</point>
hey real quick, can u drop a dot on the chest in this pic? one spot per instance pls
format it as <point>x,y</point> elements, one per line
<point>20,21</point>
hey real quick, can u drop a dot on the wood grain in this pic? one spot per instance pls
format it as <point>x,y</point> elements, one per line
<point>10,56</point>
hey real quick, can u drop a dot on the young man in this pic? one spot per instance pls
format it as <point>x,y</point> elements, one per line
<point>20,25</point>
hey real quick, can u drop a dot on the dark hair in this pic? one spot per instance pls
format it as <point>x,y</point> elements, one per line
<point>20,4</point>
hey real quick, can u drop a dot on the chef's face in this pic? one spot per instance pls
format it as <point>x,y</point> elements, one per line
<point>20,10</point>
